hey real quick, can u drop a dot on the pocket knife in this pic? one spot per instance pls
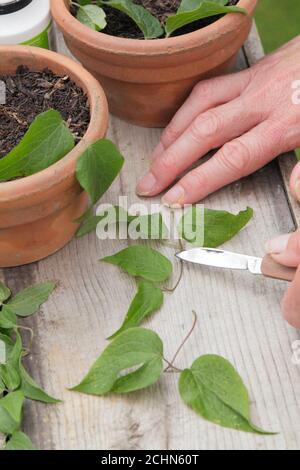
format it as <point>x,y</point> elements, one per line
<point>266,266</point>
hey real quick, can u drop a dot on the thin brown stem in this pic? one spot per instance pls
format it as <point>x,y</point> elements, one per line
<point>25,328</point>
<point>173,289</point>
<point>171,365</point>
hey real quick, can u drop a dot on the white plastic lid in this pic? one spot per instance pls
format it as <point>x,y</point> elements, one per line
<point>9,2</point>
<point>14,3</point>
<point>24,24</point>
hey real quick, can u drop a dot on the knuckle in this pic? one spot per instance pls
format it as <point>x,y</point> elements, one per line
<point>259,95</point>
<point>168,162</point>
<point>169,135</point>
<point>255,72</point>
<point>206,126</point>
<point>250,112</point>
<point>195,179</point>
<point>202,89</point>
<point>235,157</point>
<point>277,133</point>
<point>249,75</point>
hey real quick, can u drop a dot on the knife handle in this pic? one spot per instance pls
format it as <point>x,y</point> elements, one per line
<point>275,270</point>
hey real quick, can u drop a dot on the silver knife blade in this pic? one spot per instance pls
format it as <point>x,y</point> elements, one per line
<point>221,259</point>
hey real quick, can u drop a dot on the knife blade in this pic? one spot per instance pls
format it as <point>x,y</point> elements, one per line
<point>266,266</point>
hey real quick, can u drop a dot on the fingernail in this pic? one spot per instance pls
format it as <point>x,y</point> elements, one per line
<point>297,189</point>
<point>146,185</point>
<point>157,152</point>
<point>278,245</point>
<point>175,197</point>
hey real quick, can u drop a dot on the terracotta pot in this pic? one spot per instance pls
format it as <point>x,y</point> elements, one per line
<point>147,81</point>
<point>37,212</point>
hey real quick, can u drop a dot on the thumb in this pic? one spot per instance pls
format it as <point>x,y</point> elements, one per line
<point>291,302</point>
<point>295,182</point>
<point>285,249</point>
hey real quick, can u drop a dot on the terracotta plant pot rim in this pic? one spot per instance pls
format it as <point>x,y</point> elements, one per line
<point>145,47</point>
<point>64,168</point>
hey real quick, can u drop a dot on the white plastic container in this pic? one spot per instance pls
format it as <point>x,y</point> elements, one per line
<point>26,22</point>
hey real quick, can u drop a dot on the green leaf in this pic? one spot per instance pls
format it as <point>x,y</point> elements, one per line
<point>47,140</point>
<point>9,372</point>
<point>136,347</point>
<point>10,377</point>
<point>98,167</point>
<point>148,299</point>
<point>4,293</point>
<point>88,226</point>
<point>8,319</point>
<point>2,386</point>
<point>2,353</point>
<point>145,227</point>
<point>6,337</point>
<point>188,5</point>
<point>214,390</point>
<point>32,390</point>
<point>219,226</point>
<point>6,347</point>
<point>19,441</point>
<point>145,376</point>
<point>148,227</point>
<point>85,216</point>
<point>7,344</point>
<point>89,221</point>
<point>148,24</point>
<point>142,261</point>
<point>11,412</point>
<point>92,16</point>
<point>206,9</point>
<point>28,301</point>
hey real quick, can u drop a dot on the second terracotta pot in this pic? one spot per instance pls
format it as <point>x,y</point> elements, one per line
<point>146,81</point>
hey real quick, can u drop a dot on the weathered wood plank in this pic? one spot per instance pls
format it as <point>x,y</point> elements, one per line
<point>239,317</point>
<point>254,51</point>
<point>243,323</point>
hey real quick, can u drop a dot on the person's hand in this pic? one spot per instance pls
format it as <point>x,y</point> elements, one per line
<point>250,115</point>
<point>285,249</point>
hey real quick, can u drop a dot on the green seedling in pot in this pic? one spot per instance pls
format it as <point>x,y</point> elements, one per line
<point>92,14</point>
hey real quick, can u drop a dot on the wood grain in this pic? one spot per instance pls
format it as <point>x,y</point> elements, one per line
<point>239,317</point>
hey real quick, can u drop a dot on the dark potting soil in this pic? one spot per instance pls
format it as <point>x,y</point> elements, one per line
<point>30,93</point>
<point>119,24</point>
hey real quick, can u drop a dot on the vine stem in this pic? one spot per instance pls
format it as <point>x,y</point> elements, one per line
<point>171,363</point>
<point>171,366</point>
<point>173,289</point>
<point>25,328</point>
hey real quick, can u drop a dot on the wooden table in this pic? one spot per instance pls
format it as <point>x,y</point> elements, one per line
<point>243,323</point>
